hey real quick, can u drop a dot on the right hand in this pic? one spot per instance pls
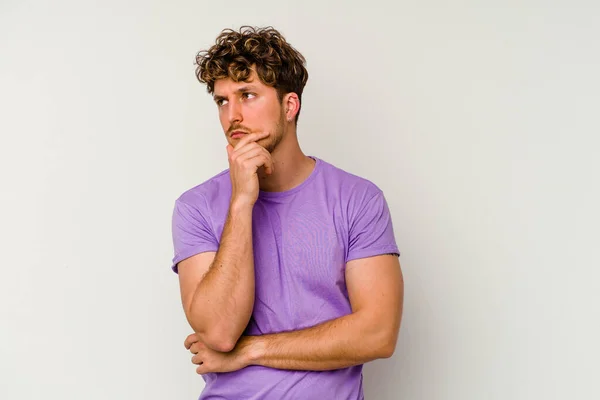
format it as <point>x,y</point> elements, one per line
<point>244,161</point>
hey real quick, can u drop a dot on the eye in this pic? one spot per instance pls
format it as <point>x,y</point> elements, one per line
<point>248,95</point>
<point>221,102</point>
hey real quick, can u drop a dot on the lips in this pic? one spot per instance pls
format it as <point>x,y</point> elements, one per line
<point>237,134</point>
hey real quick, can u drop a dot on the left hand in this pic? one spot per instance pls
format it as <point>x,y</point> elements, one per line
<point>209,360</point>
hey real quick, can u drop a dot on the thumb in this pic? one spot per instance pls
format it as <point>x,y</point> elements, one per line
<point>229,149</point>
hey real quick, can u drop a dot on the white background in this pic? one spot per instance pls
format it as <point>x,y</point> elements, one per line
<point>479,120</point>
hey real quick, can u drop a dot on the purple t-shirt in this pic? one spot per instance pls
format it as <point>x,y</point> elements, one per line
<point>302,240</point>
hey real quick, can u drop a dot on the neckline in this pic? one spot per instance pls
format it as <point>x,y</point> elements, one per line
<point>270,195</point>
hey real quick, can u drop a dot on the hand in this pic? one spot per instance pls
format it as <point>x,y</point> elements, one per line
<point>244,161</point>
<point>209,360</point>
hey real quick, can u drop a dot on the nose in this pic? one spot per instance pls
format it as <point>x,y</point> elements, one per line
<point>234,112</point>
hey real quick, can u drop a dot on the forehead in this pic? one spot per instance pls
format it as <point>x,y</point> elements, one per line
<point>228,85</point>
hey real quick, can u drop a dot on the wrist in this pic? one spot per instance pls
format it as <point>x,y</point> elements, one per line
<point>240,206</point>
<point>253,348</point>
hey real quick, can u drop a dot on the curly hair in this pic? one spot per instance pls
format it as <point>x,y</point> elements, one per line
<point>236,53</point>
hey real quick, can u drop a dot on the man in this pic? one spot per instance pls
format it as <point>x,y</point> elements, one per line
<point>288,266</point>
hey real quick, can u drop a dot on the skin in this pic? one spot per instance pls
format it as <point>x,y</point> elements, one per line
<point>218,288</point>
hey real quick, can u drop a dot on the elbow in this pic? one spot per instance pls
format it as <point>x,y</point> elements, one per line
<point>217,340</point>
<point>387,350</point>
<point>386,344</point>
<point>222,344</point>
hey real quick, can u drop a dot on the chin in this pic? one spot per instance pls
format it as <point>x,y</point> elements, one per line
<point>271,146</point>
<point>268,144</point>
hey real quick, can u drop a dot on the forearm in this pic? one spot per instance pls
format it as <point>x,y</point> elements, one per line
<point>223,300</point>
<point>347,341</point>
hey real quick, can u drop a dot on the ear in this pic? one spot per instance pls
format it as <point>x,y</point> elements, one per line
<point>291,104</point>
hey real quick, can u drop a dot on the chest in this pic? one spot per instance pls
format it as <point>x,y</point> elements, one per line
<point>299,257</point>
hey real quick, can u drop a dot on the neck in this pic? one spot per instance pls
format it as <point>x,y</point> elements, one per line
<point>291,166</point>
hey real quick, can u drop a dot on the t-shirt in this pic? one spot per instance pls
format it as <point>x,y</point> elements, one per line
<point>302,240</point>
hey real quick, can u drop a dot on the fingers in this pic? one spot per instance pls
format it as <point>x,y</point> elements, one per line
<point>196,360</point>
<point>196,347</point>
<point>245,150</point>
<point>250,153</point>
<point>201,370</point>
<point>190,340</point>
<point>269,166</point>
<point>246,144</point>
<point>253,157</point>
<point>252,137</point>
<point>193,343</point>
<point>259,161</point>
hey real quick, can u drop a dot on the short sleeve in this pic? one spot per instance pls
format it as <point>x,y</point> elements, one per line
<point>191,233</point>
<point>371,232</point>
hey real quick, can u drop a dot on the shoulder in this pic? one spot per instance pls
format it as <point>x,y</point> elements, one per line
<point>363,211</point>
<point>350,185</point>
<point>208,192</point>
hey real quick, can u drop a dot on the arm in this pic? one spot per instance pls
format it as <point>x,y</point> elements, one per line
<point>375,287</point>
<point>217,289</point>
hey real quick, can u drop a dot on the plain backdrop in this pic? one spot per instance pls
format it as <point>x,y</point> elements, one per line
<point>478,119</point>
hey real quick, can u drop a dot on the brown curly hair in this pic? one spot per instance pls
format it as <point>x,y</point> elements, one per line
<point>235,53</point>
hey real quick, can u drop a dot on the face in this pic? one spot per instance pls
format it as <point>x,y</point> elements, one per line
<point>249,107</point>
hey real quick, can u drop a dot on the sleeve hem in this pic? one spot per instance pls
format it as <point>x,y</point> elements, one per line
<point>373,252</point>
<point>189,253</point>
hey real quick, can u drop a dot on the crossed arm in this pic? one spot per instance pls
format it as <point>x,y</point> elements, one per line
<point>375,287</point>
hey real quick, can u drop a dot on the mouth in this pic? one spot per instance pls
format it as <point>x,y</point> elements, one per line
<point>237,134</point>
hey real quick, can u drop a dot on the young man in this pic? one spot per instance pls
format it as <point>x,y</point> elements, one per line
<point>288,266</point>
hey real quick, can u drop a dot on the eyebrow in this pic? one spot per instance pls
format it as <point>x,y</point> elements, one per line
<point>242,89</point>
